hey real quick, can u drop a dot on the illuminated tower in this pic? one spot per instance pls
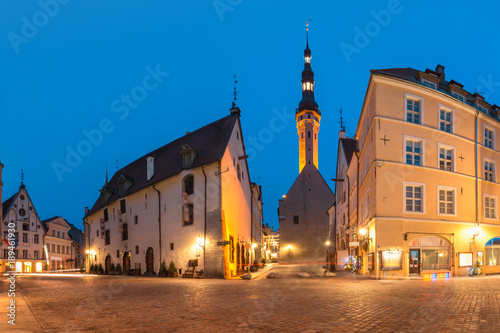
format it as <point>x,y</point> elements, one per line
<point>307,114</point>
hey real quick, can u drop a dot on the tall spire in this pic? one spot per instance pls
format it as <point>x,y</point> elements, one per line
<point>307,102</point>
<point>106,182</point>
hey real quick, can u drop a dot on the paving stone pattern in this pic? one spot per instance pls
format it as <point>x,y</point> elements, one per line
<point>288,303</point>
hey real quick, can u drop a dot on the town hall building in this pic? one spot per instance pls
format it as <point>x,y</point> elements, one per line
<point>302,213</point>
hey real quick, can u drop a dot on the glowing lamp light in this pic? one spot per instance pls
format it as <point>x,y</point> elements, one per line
<point>327,243</point>
<point>268,252</point>
<point>284,196</point>
<point>289,247</point>
<point>92,252</point>
<point>87,251</point>
<point>254,245</point>
<point>363,232</point>
<point>199,241</point>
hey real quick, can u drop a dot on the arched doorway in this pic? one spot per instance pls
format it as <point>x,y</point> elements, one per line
<point>107,264</point>
<point>126,262</point>
<point>429,253</point>
<point>149,260</point>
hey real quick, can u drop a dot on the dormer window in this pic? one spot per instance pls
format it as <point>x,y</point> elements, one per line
<point>458,96</point>
<point>124,184</point>
<point>429,84</point>
<point>188,156</point>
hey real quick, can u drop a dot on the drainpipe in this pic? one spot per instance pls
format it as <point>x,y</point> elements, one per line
<point>475,167</point>
<point>159,217</point>
<point>205,220</point>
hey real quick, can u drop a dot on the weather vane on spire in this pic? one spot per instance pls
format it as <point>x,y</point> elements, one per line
<point>235,92</point>
<point>307,25</point>
<point>22,175</point>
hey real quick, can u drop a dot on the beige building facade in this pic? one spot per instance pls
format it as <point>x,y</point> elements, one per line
<point>427,187</point>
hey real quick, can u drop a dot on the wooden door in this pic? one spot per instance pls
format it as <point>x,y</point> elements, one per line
<point>149,260</point>
<point>126,262</point>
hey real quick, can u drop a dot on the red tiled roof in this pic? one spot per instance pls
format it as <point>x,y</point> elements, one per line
<point>209,141</point>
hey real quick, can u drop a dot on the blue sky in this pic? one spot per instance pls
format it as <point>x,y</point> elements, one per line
<point>65,69</point>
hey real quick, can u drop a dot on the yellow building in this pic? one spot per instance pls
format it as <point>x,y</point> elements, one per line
<point>426,187</point>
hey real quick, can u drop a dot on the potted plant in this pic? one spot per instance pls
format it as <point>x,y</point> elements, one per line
<point>100,270</point>
<point>254,267</point>
<point>112,269</point>
<point>118,269</point>
<point>263,261</point>
<point>172,270</point>
<point>163,272</point>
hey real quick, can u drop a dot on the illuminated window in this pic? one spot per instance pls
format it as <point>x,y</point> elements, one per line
<point>231,249</point>
<point>446,201</point>
<point>488,137</point>
<point>446,158</point>
<point>307,59</point>
<point>489,171</point>
<point>414,198</point>
<point>446,120</point>
<point>413,152</point>
<point>413,111</point>
<point>490,207</point>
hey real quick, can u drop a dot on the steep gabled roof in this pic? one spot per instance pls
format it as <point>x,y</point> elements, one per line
<point>210,141</point>
<point>77,235</point>
<point>47,221</point>
<point>350,146</point>
<point>6,205</point>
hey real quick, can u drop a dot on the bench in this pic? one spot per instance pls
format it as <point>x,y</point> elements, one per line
<point>192,264</point>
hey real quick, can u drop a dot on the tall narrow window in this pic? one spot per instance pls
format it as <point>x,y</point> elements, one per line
<point>446,158</point>
<point>37,239</point>
<point>446,201</point>
<point>445,120</point>
<point>489,207</point>
<point>189,184</point>
<point>296,219</point>
<point>106,216</point>
<point>123,206</point>
<point>413,113</point>
<point>414,198</point>
<point>125,232</point>
<point>488,137</point>
<point>36,254</point>
<point>107,237</point>
<point>25,237</point>
<point>413,152</point>
<point>489,171</point>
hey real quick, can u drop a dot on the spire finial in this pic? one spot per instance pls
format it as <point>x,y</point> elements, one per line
<point>342,127</point>
<point>307,33</point>
<point>235,92</point>
<point>106,182</point>
<point>22,175</point>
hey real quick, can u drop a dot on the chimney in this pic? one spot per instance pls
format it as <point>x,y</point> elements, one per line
<point>86,210</point>
<point>440,71</point>
<point>150,167</point>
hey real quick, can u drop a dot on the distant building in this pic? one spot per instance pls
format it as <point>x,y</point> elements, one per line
<point>257,218</point>
<point>188,201</point>
<point>19,211</point>
<point>271,243</point>
<point>58,243</point>
<point>77,247</point>
<point>302,212</point>
<point>425,201</point>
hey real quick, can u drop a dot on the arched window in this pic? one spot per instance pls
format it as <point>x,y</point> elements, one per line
<point>188,184</point>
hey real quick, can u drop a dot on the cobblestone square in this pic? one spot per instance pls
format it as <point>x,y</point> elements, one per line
<point>344,303</point>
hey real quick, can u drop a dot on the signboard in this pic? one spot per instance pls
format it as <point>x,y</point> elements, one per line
<point>185,212</point>
<point>223,243</point>
<point>353,243</point>
<point>464,259</point>
<point>391,260</point>
<point>120,220</point>
<point>103,227</point>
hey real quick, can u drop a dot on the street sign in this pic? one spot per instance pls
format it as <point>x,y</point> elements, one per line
<point>353,243</point>
<point>223,243</point>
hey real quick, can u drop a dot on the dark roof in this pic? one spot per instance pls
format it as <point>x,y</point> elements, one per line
<point>6,205</point>
<point>45,222</point>
<point>407,74</point>
<point>350,146</point>
<point>76,234</point>
<point>410,74</point>
<point>209,141</point>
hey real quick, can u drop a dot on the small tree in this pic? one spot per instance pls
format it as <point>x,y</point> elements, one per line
<point>113,269</point>
<point>171,267</point>
<point>100,270</point>
<point>263,261</point>
<point>163,267</point>
<point>91,269</point>
<point>118,269</point>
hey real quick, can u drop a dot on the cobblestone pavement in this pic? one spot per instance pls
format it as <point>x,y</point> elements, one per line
<point>288,303</point>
